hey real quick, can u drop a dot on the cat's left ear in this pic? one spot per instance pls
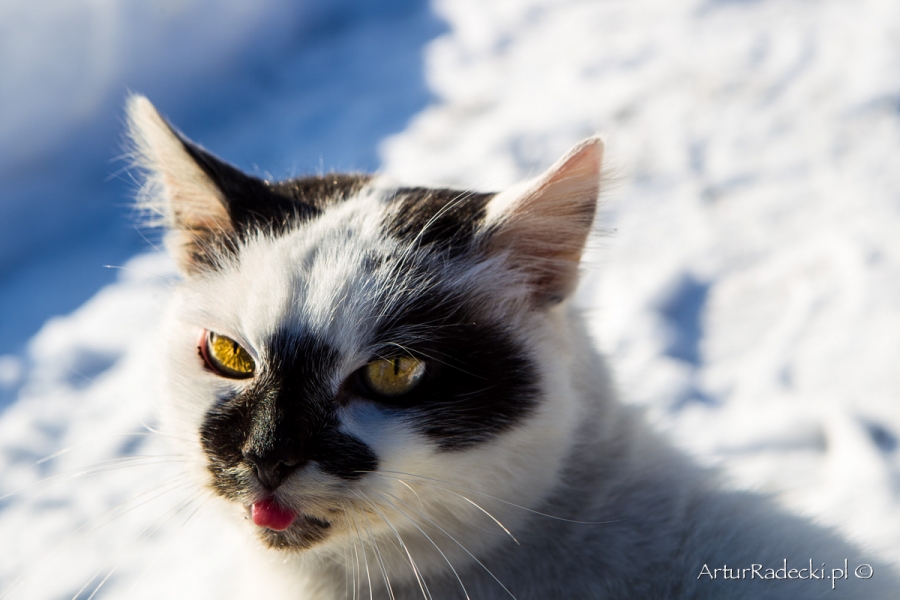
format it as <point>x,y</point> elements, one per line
<point>542,226</point>
<point>203,201</point>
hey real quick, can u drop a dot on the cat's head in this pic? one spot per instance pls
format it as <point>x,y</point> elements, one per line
<point>346,357</point>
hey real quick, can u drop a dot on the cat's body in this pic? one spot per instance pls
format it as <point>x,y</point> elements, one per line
<point>392,390</point>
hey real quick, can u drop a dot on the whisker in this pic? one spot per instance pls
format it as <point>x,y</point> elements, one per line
<point>148,427</point>
<point>349,565</point>
<point>436,547</point>
<point>68,449</point>
<point>347,580</point>
<point>371,536</point>
<point>357,580</point>
<point>466,550</point>
<point>422,586</point>
<point>473,503</point>
<point>145,272</point>
<point>197,495</point>
<point>95,524</point>
<point>365,554</point>
<point>513,504</point>
<point>151,244</point>
<point>421,503</point>
<point>143,535</point>
<point>409,252</point>
<point>104,466</point>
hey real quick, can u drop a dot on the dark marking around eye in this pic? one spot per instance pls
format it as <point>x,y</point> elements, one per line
<point>482,381</point>
<point>285,419</point>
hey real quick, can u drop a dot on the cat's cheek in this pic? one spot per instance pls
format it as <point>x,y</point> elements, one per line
<point>191,389</point>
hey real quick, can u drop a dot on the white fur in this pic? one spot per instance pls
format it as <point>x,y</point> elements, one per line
<point>276,282</point>
<point>599,506</point>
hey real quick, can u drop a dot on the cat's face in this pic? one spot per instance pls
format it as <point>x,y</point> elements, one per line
<point>348,359</point>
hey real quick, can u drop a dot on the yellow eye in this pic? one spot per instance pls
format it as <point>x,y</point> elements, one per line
<point>394,376</point>
<point>226,357</point>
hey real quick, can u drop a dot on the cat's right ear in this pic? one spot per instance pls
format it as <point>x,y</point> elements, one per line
<point>188,190</point>
<point>541,226</point>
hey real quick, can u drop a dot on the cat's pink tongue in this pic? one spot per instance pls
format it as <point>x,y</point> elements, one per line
<point>266,513</point>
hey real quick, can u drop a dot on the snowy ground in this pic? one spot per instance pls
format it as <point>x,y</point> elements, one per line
<point>746,290</point>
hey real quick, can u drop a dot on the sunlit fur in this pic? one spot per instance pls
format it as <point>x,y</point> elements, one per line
<point>269,286</point>
<point>576,500</point>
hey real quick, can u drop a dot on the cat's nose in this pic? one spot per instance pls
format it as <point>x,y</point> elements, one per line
<point>272,471</point>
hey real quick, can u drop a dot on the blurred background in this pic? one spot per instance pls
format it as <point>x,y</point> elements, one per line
<point>293,86</point>
<point>745,281</point>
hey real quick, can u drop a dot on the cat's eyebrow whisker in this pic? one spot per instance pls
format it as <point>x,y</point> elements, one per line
<point>421,580</point>
<point>152,245</point>
<point>413,247</point>
<point>144,271</point>
<point>438,361</point>
<point>475,504</point>
<point>458,543</point>
<point>474,393</point>
<point>513,504</point>
<point>127,170</point>
<point>452,204</point>
<point>416,525</point>
<point>426,355</point>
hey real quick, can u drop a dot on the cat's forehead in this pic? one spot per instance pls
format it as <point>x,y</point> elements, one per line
<point>336,275</point>
<point>303,278</point>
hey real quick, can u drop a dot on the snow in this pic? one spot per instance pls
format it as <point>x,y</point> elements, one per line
<point>748,293</point>
<point>745,288</point>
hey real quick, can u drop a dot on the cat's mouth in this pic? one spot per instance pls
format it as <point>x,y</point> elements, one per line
<point>283,527</point>
<point>271,515</point>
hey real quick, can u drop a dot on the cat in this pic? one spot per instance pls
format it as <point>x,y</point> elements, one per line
<point>388,389</point>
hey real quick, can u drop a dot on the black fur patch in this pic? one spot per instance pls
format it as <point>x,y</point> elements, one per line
<point>479,380</point>
<point>255,205</point>
<point>440,218</point>
<point>321,191</point>
<point>283,421</point>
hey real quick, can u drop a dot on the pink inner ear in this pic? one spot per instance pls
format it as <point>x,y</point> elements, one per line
<point>545,227</point>
<point>267,513</point>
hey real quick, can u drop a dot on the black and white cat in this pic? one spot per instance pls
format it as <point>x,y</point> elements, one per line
<point>388,388</point>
